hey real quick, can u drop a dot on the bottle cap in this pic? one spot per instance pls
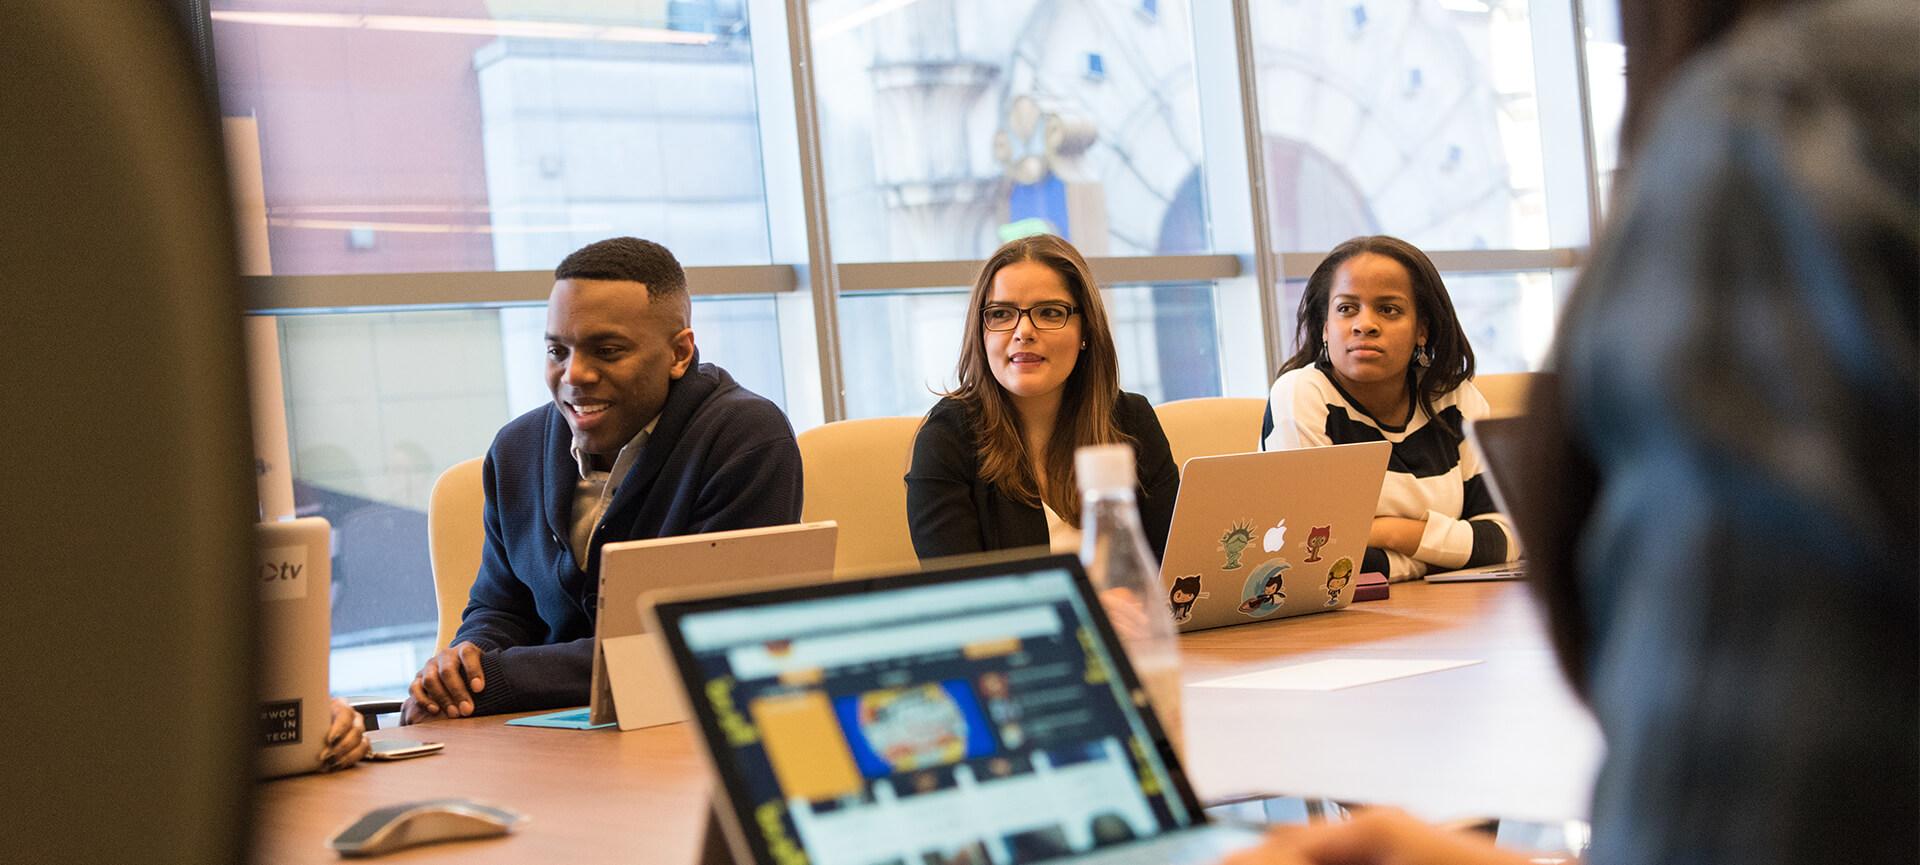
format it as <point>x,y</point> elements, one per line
<point>1104,467</point>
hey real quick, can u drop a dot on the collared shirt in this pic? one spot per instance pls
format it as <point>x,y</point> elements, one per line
<point>597,488</point>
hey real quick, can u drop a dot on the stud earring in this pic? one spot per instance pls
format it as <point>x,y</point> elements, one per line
<point>1422,355</point>
<point>1083,345</point>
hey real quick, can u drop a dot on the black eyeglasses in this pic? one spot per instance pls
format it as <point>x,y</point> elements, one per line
<point>1045,316</point>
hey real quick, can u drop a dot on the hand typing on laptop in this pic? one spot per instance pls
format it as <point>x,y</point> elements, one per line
<point>446,685</point>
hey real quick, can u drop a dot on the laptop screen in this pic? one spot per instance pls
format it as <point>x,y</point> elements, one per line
<point>972,716</point>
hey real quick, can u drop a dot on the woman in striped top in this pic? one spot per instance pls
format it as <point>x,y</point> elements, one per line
<point>1382,358</point>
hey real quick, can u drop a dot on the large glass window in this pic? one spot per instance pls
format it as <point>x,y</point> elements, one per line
<point>901,349</point>
<point>401,136</point>
<point>455,135</point>
<point>950,126</point>
<point>1415,118</point>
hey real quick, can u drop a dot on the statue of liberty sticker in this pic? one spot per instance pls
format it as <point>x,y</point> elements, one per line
<point>1234,543</point>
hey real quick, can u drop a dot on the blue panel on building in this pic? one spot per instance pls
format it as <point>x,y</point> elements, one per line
<point>1046,200</point>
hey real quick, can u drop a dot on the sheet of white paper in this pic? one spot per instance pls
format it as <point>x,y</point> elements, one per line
<point>1333,674</point>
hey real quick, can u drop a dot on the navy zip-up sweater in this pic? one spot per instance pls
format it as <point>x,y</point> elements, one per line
<point>721,458</point>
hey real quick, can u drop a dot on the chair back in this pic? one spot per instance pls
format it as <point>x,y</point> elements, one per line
<point>1506,392</point>
<point>855,474</point>
<point>1211,426</point>
<point>455,535</point>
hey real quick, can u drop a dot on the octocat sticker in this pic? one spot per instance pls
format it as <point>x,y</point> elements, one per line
<point>1317,538</point>
<point>1265,589</point>
<point>1181,598</point>
<point>1338,577</point>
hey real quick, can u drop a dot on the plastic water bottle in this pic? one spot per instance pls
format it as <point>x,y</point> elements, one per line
<point>1114,550</point>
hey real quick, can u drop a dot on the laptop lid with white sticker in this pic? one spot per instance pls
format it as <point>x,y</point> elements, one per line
<point>1262,536</point>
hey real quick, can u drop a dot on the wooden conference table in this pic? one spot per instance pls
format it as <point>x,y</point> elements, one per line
<point>1500,737</point>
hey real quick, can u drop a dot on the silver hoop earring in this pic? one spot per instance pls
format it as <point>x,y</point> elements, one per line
<point>1422,355</point>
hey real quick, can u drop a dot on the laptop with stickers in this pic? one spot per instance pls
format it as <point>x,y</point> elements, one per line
<point>1261,536</point>
<point>629,684</point>
<point>293,573</point>
<point>978,714</point>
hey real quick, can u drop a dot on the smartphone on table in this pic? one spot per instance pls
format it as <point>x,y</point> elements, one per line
<point>401,749</point>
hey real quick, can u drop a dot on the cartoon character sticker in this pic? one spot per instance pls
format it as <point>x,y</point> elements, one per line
<point>1264,591</point>
<point>1338,577</point>
<point>1316,539</point>
<point>1276,538</point>
<point>1235,542</point>
<point>1186,590</point>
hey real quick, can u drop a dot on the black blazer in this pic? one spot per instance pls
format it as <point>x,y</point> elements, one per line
<point>952,510</point>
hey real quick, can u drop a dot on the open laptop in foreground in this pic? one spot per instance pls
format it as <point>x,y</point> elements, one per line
<point>1268,535</point>
<point>1500,443</point>
<point>980,714</point>
<point>293,568</point>
<point>628,684</point>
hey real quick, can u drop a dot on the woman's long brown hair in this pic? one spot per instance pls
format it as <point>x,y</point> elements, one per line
<point>1092,390</point>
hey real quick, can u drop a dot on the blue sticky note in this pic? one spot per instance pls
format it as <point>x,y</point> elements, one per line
<point>565,719</point>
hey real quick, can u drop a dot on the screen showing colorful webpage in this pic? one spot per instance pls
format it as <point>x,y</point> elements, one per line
<point>976,721</point>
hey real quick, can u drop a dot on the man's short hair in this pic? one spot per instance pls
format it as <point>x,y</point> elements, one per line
<point>628,259</point>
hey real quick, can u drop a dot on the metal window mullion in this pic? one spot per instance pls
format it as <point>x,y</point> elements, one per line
<point>899,275</point>
<point>822,277</point>
<point>368,291</point>
<point>1300,265</point>
<point>1267,267</point>
<point>1591,153</point>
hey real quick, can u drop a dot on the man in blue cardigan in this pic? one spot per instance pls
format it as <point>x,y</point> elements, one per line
<point>641,441</point>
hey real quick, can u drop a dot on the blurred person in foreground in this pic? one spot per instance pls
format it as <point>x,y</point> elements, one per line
<point>1728,455</point>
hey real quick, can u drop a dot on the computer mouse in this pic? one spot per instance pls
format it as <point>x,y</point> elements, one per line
<point>384,830</point>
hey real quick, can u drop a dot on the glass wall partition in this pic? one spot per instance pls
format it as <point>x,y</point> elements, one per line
<point>409,171</point>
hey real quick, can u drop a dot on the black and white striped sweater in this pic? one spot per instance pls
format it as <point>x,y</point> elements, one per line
<point>1433,474</point>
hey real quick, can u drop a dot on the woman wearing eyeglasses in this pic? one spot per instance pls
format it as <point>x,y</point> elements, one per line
<point>993,462</point>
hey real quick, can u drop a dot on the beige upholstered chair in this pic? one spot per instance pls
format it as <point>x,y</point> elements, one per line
<point>1211,426</point>
<point>1506,393</point>
<point>455,536</point>
<point>855,474</point>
